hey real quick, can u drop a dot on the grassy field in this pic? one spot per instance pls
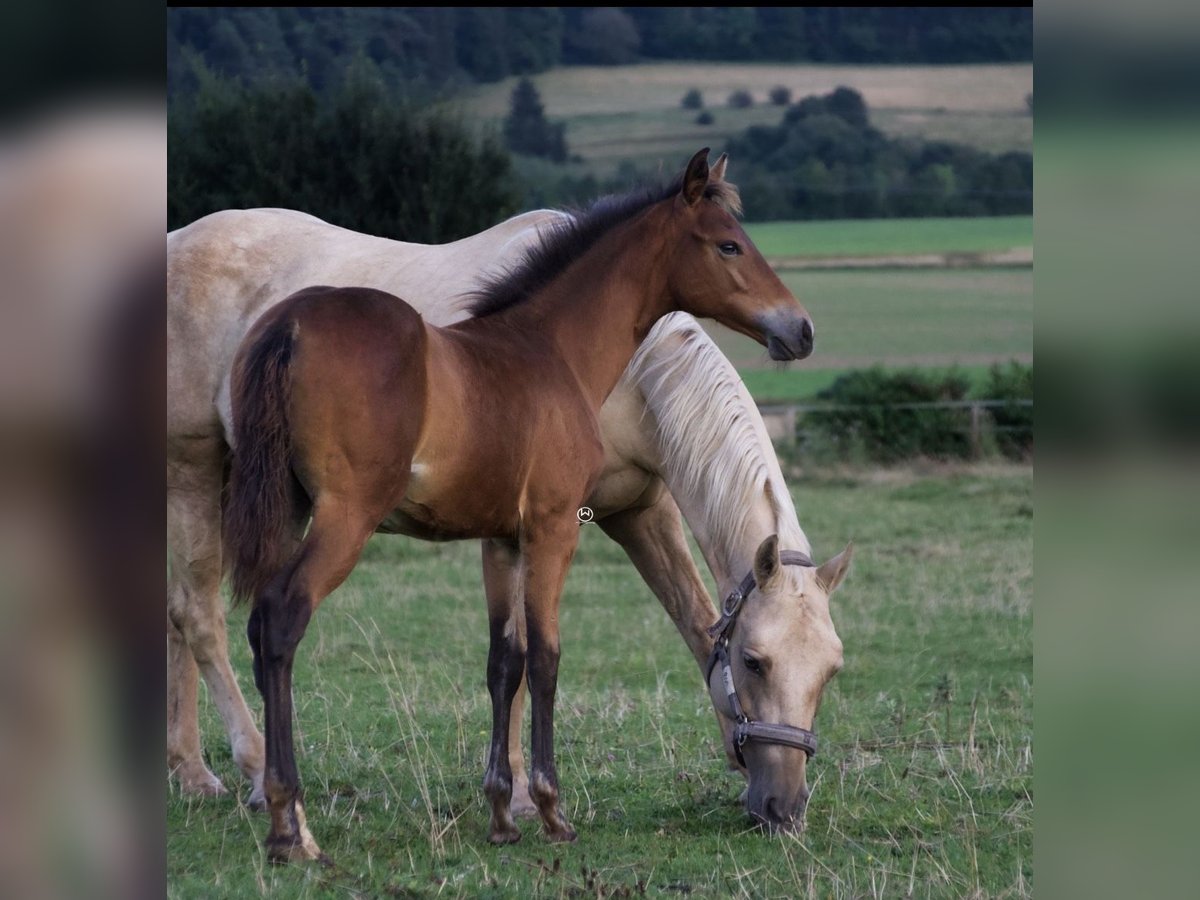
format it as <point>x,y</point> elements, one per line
<point>890,237</point>
<point>969,318</point>
<point>923,787</point>
<point>633,112</point>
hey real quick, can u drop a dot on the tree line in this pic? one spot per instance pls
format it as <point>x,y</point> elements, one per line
<point>437,47</point>
<point>824,160</point>
<point>360,156</point>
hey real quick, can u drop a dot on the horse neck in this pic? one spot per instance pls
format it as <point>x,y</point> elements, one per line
<point>714,452</point>
<point>598,311</point>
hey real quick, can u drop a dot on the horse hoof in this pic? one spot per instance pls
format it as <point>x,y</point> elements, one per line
<point>505,836</point>
<point>523,807</point>
<point>257,800</point>
<point>201,784</point>
<point>294,850</point>
<point>564,835</point>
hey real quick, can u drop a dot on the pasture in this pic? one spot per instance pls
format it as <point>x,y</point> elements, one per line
<point>923,318</point>
<point>634,113</point>
<point>923,786</point>
<point>785,241</point>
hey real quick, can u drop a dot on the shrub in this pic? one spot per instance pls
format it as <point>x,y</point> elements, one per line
<point>881,416</point>
<point>693,99</point>
<point>741,99</point>
<point>780,95</point>
<point>705,118</point>
<point>1012,422</point>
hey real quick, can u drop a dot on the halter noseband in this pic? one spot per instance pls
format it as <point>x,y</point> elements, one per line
<point>746,728</point>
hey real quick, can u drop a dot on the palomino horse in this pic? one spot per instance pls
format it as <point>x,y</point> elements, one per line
<point>227,268</point>
<point>348,406</point>
<point>681,414</point>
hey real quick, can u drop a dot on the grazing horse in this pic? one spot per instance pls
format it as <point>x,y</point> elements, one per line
<point>349,407</point>
<point>681,417</point>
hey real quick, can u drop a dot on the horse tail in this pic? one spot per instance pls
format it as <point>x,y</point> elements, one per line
<point>265,505</point>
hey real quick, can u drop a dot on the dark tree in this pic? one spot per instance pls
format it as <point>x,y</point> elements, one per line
<point>527,129</point>
<point>603,35</point>
<point>693,99</point>
<point>741,99</point>
<point>780,95</point>
<point>825,161</point>
<point>360,158</point>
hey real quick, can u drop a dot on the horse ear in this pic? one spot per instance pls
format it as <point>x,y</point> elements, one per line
<point>695,179</point>
<point>831,573</point>
<point>717,173</point>
<point>766,561</point>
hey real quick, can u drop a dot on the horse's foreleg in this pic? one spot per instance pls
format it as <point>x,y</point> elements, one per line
<point>196,626</point>
<point>522,803</point>
<point>502,581</point>
<point>653,538</point>
<point>547,556</point>
<point>506,668</point>
<point>281,616</point>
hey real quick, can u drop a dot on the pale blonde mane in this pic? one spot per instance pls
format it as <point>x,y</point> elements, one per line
<point>713,441</point>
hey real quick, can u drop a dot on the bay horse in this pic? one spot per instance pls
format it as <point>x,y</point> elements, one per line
<point>348,407</point>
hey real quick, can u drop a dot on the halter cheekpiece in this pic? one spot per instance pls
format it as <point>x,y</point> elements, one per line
<point>748,729</point>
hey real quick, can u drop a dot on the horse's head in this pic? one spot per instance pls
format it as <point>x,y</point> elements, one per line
<point>782,650</point>
<point>719,273</point>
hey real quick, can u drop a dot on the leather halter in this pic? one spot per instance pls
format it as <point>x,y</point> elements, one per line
<point>748,729</point>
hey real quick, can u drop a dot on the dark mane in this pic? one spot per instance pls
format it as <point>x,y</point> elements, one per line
<point>561,245</point>
<point>564,243</point>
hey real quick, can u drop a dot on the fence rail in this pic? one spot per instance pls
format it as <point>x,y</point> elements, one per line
<point>781,419</point>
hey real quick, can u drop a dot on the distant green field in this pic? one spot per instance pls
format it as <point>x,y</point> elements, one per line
<point>886,237</point>
<point>968,318</point>
<point>616,113</point>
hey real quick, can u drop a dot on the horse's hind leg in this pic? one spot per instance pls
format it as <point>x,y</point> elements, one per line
<point>506,669</point>
<point>281,616</point>
<point>196,632</point>
<point>183,725</point>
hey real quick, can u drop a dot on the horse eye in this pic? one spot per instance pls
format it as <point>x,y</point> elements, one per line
<point>729,248</point>
<point>752,664</point>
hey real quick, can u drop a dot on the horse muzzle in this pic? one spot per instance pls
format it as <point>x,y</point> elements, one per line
<point>777,815</point>
<point>788,336</point>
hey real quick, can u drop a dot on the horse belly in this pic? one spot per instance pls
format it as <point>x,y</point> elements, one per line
<point>443,505</point>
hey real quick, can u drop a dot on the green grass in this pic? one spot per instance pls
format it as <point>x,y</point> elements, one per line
<point>923,786</point>
<point>891,237</point>
<point>894,318</point>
